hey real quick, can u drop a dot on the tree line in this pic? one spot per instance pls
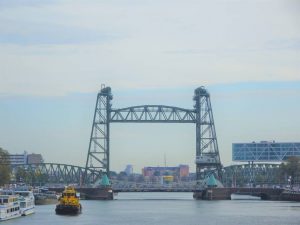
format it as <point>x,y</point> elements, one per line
<point>5,170</point>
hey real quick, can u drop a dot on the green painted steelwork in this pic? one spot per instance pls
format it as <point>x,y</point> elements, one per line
<point>57,173</point>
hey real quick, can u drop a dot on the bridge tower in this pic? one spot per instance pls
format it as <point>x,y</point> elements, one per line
<point>207,151</point>
<point>98,153</point>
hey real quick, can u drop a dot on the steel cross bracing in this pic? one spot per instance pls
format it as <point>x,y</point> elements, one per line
<point>38,173</point>
<point>252,174</point>
<point>236,175</point>
<point>207,153</point>
<point>98,152</point>
<point>153,114</point>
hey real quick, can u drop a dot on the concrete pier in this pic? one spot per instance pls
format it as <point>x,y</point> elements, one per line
<point>91,193</point>
<point>225,193</point>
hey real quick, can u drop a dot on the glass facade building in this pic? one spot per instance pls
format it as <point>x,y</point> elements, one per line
<point>264,151</point>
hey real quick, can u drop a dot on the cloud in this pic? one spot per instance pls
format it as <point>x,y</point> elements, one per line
<point>4,4</point>
<point>55,35</point>
<point>74,46</point>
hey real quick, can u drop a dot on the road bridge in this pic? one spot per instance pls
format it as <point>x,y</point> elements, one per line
<point>235,175</point>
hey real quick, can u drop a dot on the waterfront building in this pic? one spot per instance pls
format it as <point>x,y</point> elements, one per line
<point>18,159</point>
<point>176,171</point>
<point>264,151</point>
<point>25,158</point>
<point>167,179</point>
<point>34,158</point>
<point>183,170</point>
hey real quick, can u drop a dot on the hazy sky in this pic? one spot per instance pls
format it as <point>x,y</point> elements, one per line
<point>54,56</point>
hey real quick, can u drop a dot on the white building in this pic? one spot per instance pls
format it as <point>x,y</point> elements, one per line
<point>25,158</point>
<point>18,159</point>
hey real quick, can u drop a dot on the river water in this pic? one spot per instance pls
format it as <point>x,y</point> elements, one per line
<point>169,209</point>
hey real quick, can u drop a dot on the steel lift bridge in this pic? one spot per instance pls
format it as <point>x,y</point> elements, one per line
<point>207,152</point>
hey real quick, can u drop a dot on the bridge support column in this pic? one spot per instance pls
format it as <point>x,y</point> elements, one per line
<point>98,153</point>
<point>207,152</point>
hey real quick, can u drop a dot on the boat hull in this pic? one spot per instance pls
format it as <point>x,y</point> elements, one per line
<point>67,209</point>
<point>28,211</point>
<point>10,217</point>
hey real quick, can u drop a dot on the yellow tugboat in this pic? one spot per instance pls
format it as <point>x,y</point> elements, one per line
<point>68,202</point>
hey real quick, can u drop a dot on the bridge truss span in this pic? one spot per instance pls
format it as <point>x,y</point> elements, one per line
<point>252,174</point>
<point>152,114</point>
<point>207,153</point>
<point>235,175</point>
<point>56,173</point>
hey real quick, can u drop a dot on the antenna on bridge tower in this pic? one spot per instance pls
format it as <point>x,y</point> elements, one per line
<point>98,152</point>
<point>207,151</point>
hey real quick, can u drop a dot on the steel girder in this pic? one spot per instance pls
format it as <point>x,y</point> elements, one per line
<point>201,115</point>
<point>248,174</point>
<point>98,152</point>
<point>59,173</point>
<point>153,114</point>
<point>207,151</point>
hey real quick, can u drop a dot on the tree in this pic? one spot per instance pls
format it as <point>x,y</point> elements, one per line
<point>5,170</point>
<point>112,174</point>
<point>21,175</point>
<point>291,168</point>
<point>40,178</point>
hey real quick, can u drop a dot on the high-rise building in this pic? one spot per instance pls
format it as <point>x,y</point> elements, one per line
<point>34,158</point>
<point>129,170</point>
<point>25,158</point>
<point>18,159</point>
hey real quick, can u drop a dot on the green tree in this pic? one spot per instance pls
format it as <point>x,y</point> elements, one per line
<point>41,178</point>
<point>291,168</point>
<point>21,174</point>
<point>5,170</point>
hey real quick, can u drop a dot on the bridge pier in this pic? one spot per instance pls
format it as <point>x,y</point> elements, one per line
<point>213,194</point>
<point>91,193</point>
<point>225,193</point>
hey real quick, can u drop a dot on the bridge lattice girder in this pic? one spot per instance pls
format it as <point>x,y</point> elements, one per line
<point>153,114</point>
<point>247,173</point>
<point>60,173</point>
<point>207,153</point>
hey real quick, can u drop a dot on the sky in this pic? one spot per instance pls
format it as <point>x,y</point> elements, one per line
<point>54,56</point>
